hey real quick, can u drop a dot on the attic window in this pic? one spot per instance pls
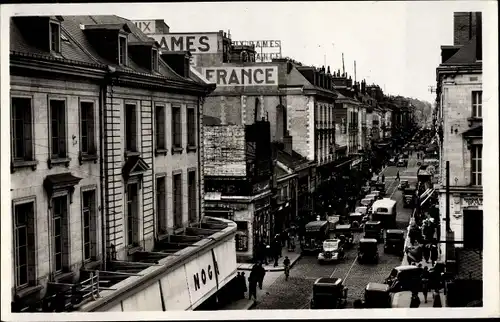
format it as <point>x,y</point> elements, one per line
<point>154,60</point>
<point>122,50</point>
<point>55,37</point>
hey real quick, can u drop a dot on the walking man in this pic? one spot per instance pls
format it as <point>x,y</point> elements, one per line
<point>434,254</point>
<point>397,176</point>
<point>286,263</point>
<point>252,285</point>
<point>383,178</point>
<point>425,282</point>
<point>261,273</point>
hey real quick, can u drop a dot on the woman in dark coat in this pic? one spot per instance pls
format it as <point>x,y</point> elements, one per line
<point>434,254</point>
<point>415,300</point>
<point>427,252</point>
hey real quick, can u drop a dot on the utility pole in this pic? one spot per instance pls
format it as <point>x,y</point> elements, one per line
<point>447,209</point>
<point>343,66</point>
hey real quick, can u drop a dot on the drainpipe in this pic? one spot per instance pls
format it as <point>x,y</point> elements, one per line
<point>200,166</point>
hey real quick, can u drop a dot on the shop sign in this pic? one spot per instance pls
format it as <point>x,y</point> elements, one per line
<point>242,76</point>
<point>472,201</point>
<point>194,43</point>
<point>146,26</point>
<point>265,50</point>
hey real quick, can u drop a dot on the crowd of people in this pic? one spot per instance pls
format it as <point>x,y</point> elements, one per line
<point>272,252</point>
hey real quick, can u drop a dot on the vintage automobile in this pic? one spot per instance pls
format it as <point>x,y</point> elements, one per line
<point>328,293</point>
<point>404,278</point>
<point>367,201</point>
<point>373,229</point>
<point>333,250</point>
<point>402,163</point>
<point>344,233</point>
<point>392,161</point>
<point>378,193</point>
<point>377,296</point>
<point>365,189</point>
<point>394,241</point>
<point>315,233</point>
<point>380,187</point>
<point>385,211</point>
<point>368,251</point>
<point>409,195</point>
<point>403,184</point>
<point>358,219</point>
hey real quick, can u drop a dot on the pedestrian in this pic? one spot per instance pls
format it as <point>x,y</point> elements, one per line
<point>236,285</point>
<point>358,304</point>
<point>427,252</point>
<point>243,284</point>
<point>437,299</point>
<point>383,178</point>
<point>397,176</point>
<point>252,287</point>
<point>425,282</point>
<point>434,254</point>
<point>276,257</point>
<point>269,254</point>
<point>415,300</point>
<point>261,273</point>
<point>286,264</point>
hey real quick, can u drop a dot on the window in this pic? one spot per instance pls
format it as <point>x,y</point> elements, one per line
<point>122,50</point>
<point>344,126</point>
<point>131,128</point>
<point>24,243</point>
<point>476,165</point>
<point>191,127</point>
<point>132,215</point>
<point>160,127</point>
<point>477,104</point>
<point>22,144</point>
<point>177,191</point>
<point>176,127</point>
<point>58,128</point>
<point>154,60</point>
<point>55,37</point>
<point>60,232</point>
<point>89,225</point>
<point>161,205</point>
<point>192,197</point>
<point>87,124</point>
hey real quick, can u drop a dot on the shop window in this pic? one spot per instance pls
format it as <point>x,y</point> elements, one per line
<point>131,127</point>
<point>192,196</point>
<point>22,140</point>
<point>476,165</point>
<point>60,231</point>
<point>89,225</point>
<point>177,198</point>
<point>132,214</point>
<point>58,129</point>
<point>160,127</point>
<point>161,206</point>
<point>87,126</point>
<point>477,104</point>
<point>241,242</point>
<point>24,243</point>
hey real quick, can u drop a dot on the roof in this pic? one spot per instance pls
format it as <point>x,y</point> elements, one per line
<point>465,55</point>
<point>346,226</point>
<point>60,181</point>
<point>280,173</point>
<point>384,202</point>
<point>293,160</point>
<point>76,47</point>
<point>328,280</point>
<point>405,268</point>
<point>377,287</point>
<point>368,240</point>
<point>318,223</point>
<point>372,222</point>
<point>395,231</point>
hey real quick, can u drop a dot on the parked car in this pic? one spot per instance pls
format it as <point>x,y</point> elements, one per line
<point>402,163</point>
<point>368,251</point>
<point>394,241</point>
<point>392,161</point>
<point>377,296</point>
<point>404,278</point>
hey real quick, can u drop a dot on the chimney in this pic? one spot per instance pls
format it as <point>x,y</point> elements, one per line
<point>328,70</point>
<point>465,27</point>
<point>287,144</point>
<point>363,86</point>
<point>479,36</point>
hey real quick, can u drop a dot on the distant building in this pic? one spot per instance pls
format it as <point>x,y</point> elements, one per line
<point>460,129</point>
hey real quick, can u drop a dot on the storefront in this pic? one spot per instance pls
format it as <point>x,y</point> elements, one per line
<point>180,282</point>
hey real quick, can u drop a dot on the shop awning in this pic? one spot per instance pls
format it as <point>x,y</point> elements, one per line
<point>429,195</point>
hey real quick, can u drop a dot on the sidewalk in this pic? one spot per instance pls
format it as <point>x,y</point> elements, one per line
<point>293,256</point>
<point>243,304</point>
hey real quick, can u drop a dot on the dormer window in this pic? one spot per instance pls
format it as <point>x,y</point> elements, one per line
<point>55,37</point>
<point>122,50</point>
<point>154,60</point>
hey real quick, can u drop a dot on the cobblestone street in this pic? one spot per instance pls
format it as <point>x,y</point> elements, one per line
<point>296,292</point>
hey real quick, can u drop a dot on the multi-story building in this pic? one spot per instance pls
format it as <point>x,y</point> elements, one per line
<point>106,198</point>
<point>459,92</point>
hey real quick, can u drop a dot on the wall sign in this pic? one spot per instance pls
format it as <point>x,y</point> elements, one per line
<point>242,76</point>
<point>472,201</point>
<point>194,43</point>
<point>265,50</point>
<point>146,26</point>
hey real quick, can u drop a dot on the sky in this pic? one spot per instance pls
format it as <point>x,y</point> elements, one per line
<point>396,44</point>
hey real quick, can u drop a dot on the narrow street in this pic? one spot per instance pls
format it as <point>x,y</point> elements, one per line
<point>296,292</point>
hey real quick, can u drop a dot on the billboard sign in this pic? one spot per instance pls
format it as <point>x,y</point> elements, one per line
<point>194,43</point>
<point>265,50</point>
<point>242,76</point>
<point>146,26</point>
